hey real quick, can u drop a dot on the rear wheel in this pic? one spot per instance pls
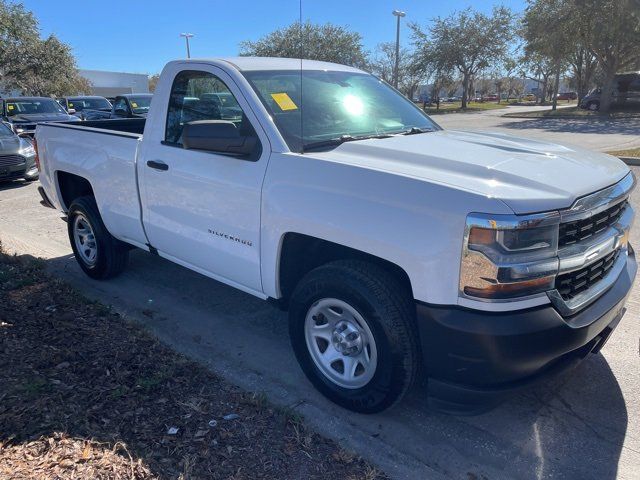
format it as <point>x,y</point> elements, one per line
<point>352,327</point>
<point>593,106</point>
<point>98,253</point>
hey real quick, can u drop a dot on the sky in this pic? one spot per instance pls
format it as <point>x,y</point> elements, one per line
<point>140,36</point>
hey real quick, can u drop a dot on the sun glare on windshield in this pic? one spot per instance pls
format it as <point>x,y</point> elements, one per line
<point>353,105</point>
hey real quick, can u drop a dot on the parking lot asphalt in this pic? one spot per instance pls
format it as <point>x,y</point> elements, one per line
<point>603,134</point>
<point>583,425</point>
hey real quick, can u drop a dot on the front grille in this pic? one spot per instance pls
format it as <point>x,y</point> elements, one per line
<point>27,127</point>
<point>11,160</point>
<point>572,283</point>
<point>579,230</point>
<point>11,175</point>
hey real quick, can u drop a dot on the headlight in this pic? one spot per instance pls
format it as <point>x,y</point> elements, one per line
<point>508,256</point>
<point>27,151</point>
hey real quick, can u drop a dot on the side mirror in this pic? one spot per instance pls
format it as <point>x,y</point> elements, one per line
<point>217,136</point>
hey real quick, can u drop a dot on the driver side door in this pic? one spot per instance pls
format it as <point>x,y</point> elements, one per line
<point>202,208</point>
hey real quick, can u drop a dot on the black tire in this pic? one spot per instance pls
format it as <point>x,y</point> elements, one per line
<point>112,254</point>
<point>389,312</point>
<point>593,106</point>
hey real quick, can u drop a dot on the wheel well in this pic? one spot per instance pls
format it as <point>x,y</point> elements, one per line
<point>72,186</point>
<point>302,253</point>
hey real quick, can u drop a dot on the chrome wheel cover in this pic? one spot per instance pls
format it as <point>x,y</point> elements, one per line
<point>85,239</point>
<point>340,343</point>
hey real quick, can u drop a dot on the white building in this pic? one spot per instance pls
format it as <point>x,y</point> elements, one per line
<point>109,84</point>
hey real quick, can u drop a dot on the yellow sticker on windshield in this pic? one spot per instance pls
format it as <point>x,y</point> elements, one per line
<point>10,107</point>
<point>70,105</point>
<point>134,104</point>
<point>284,101</point>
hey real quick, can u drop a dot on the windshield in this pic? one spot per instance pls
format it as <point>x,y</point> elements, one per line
<point>140,105</point>
<point>80,104</point>
<point>335,105</point>
<point>25,107</point>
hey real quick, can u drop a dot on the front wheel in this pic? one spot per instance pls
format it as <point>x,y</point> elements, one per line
<point>352,327</point>
<point>98,253</point>
<point>593,106</point>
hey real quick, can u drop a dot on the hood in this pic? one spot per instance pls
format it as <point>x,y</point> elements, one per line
<point>11,144</point>
<point>527,175</point>
<point>41,117</point>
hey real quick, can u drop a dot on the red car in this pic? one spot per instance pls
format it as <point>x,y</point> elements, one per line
<point>567,96</point>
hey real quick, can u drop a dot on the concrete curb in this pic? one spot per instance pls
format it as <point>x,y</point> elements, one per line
<point>578,117</point>
<point>631,161</point>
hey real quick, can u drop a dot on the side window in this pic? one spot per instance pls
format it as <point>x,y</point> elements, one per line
<point>197,95</point>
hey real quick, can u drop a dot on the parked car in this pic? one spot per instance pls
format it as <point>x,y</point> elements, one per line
<point>626,93</point>
<point>567,96</point>
<point>398,248</point>
<point>491,98</point>
<point>17,156</point>
<point>133,105</point>
<point>229,108</point>
<point>24,113</point>
<point>87,107</point>
<point>529,97</point>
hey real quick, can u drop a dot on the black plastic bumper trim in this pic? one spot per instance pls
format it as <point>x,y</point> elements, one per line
<point>474,358</point>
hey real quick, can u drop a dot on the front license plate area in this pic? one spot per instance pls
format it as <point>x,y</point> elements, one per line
<point>606,333</point>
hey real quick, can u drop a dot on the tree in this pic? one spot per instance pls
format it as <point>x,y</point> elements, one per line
<point>583,65</point>
<point>153,82</point>
<point>468,41</point>
<point>33,65</point>
<point>549,30</point>
<point>383,62</point>
<point>409,72</point>
<point>539,69</point>
<point>49,70</point>
<point>513,84</point>
<point>612,33</point>
<point>328,42</point>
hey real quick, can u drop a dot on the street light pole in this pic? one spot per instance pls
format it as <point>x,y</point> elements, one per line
<point>187,36</point>
<point>399,14</point>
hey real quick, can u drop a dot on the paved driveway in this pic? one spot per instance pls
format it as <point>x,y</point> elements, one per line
<point>594,134</point>
<point>584,425</point>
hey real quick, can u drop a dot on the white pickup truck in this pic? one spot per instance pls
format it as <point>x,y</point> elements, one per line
<point>481,262</point>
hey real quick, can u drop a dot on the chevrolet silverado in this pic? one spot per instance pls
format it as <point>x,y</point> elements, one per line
<point>480,261</point>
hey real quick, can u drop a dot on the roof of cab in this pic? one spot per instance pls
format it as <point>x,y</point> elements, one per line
<point>26,99</point>
<point>275,63</point>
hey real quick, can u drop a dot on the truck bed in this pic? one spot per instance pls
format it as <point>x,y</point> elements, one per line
<point>126,125</point>
<point>122,125</point>
<point>105,153</point>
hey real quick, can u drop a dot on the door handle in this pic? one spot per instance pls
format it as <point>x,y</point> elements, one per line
<point>157,165</point>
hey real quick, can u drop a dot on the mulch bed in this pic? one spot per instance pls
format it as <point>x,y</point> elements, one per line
<point>85,394</point>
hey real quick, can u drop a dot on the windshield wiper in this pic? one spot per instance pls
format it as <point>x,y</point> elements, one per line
<point>415,130</point>
<point>334,142</point>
